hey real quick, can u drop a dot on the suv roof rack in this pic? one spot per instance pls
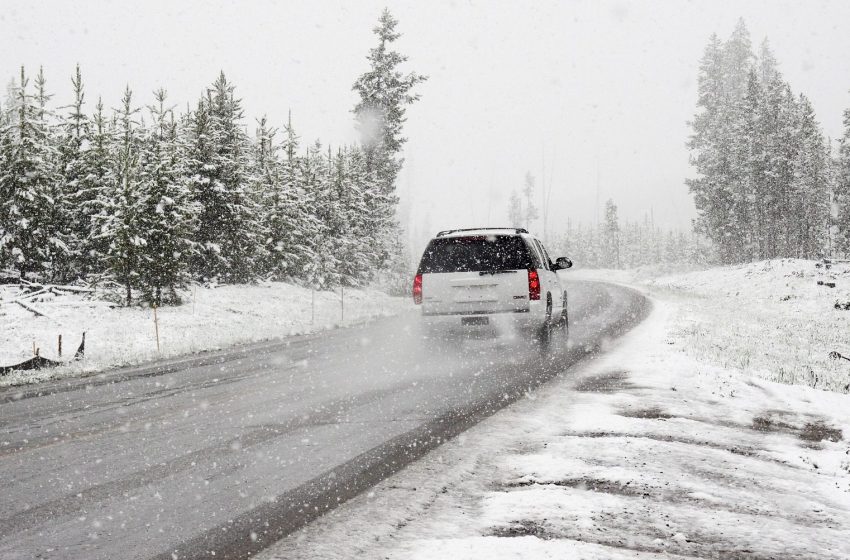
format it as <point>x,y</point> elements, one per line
<point>448,231</point>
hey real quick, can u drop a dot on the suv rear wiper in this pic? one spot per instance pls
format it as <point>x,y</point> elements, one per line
<point>483,272</point>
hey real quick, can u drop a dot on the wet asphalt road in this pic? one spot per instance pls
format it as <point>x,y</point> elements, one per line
<point>230,451</point>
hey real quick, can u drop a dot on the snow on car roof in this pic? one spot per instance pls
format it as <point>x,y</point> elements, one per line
<point>481,231</point>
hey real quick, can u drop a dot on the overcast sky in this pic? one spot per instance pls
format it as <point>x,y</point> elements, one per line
<point>587,88</point>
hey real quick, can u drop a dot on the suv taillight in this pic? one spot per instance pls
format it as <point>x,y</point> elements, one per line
<point>533,284</point>
<point>417,289</point>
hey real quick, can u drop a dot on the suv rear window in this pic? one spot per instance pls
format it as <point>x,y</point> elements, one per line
<point>475,253</point>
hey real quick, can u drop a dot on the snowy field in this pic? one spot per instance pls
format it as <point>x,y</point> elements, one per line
<point>778,320</point>
<point>647,452</point>
<point>209,318</point>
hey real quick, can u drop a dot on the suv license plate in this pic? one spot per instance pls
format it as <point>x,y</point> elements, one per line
<point>475,321</point>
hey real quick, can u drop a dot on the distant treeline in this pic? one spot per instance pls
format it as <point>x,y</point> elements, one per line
<point>768,185</point>
<point>630,244</point>
<point>151,198</point>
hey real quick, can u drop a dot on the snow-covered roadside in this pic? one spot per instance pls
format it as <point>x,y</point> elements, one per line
<point>779,320</point>
<point>210,318</point>
<point>645,452</point>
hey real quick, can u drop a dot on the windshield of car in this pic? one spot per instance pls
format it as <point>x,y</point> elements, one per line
<point>475,253</point>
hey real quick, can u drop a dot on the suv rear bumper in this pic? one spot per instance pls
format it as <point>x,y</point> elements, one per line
<point>497,323</point>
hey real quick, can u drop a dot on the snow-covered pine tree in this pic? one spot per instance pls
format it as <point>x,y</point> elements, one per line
<point>167,213</point>
<point>762,126</point>
<point>331,213</point>
<point>364,193</point>
<point>347,206</point>
<point>737,57</point>
<point>323,272</point>
<point>385,92</point>
<point>515,214</point>
<point>28,180</point>
<point>59,248</point>
<point>227,236</point>
<point>79,195</point>
<point>709,146</point>
<point>748,186</point>
<point>121,203</point>
<point>298,230</point>
<point>785,154</point>
<point>267,185</point>
<point>198,149</point>
<point>531,212</point>
<point>771,120</point>
<point>238,226</point>
<point>95,192</point>
<point>811,186</point>
<point>842,190</point>
<point>611,236</point>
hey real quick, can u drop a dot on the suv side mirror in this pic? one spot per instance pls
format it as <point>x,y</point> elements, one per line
<point>562,263</point>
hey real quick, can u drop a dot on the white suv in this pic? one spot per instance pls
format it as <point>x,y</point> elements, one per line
<point>490,279</point>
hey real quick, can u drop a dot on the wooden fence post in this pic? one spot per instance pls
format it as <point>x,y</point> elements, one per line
<point>156,328</point>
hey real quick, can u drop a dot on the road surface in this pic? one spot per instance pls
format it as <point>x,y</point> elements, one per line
<point>228,452</point>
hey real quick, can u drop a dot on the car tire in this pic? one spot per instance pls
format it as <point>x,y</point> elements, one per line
<point>565,318</point>
<point>544,332</point>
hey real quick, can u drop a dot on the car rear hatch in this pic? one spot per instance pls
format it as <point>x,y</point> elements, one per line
<point>475,275</point>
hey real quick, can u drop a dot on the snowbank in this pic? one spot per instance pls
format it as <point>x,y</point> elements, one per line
<point>210,318</point>
<point>779,320</point>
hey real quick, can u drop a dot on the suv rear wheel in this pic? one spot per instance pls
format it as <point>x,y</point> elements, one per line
<point>565,318</point>
<point>544,333</point>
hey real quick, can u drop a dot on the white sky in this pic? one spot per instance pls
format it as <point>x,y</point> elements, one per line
<point>590,85</point>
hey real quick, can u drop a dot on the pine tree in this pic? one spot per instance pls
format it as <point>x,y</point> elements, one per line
<point>737,56</point>
<point>57,210</point>
<point>227,236</point>
<point>515,214</point>
<point>531,212</point>
<point>198,154</point>
<point>385,92</point>
<point>298,229</point>
<point>267,185</point>
<point>287,226</point>
<point>94,196</point>
<point>79,193</point>
<point>368,227</point>
<point>324,271</point>
<point>611,238</point>
<point>167,215</point>
<point>118,223</point>
<point>28,182</point>
<point>842,190</point>
<point>811,186</point>
<point>749,189</point>
<point>709,146</point>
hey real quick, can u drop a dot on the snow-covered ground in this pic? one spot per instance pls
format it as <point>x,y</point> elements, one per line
<point>209,318</point>
<point>654,450</point>
<point>772,319</point>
